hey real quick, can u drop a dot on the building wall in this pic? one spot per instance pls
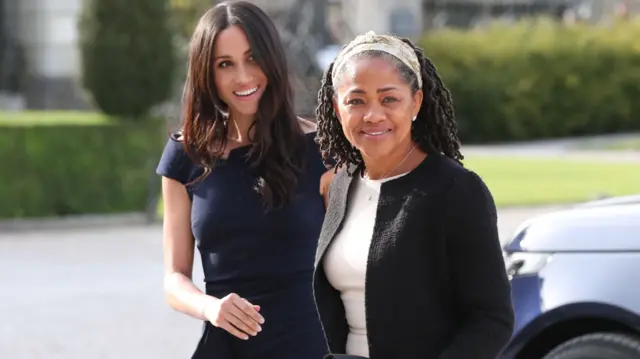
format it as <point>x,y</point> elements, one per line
<point>48,31</point>
<point>11,63</point>
<point>276,5</point>
<point>360,16</point>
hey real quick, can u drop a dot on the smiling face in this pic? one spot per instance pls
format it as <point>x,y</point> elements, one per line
<point>239,80</point>
<point>375,106</point>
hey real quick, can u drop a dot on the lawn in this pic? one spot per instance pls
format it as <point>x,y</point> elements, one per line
<point>518,181</point>
<point>526,181</point>
<point>51,118</point>
<point>630,145</point>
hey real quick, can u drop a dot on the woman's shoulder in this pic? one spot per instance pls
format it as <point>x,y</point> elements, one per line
<point>175,162</point>
<point>444,167</point>
<point>440,174</point>
<point>175,143</point>
<point>310,130</point>
<point>308,127</point>
<point>466,186</point>
<point>461,174</point>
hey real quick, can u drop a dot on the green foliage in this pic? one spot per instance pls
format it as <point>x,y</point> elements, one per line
<point>187,13</point>
<point>102,166</point>
<point>541,79</point>
<point>128,55</point>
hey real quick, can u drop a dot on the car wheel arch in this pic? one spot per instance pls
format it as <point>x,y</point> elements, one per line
<point>558,325</point>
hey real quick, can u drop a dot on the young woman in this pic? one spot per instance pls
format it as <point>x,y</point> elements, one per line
<point>409,264</point>
<point>241,181</point>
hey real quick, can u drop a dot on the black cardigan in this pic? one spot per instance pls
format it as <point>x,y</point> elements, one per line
<point>436,286</point>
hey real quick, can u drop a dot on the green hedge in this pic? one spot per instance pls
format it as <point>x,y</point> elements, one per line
<point>65,164</point>
<point>540,79</point>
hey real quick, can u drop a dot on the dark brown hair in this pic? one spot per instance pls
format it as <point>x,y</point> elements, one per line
<point>278,139</point>
<point>434,130</point>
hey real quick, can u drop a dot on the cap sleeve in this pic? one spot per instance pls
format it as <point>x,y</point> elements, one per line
<point>174,162</point>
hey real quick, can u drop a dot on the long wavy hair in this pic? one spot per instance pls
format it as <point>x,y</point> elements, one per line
<point>434,130</point>
<point>277,138</point>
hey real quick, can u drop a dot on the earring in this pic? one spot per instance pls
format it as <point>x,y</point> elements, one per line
<point>414,118</point>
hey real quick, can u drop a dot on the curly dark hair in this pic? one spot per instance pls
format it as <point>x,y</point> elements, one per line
<point>434,130</point>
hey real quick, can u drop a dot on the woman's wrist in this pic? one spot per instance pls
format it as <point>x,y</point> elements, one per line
<point>205,305</point>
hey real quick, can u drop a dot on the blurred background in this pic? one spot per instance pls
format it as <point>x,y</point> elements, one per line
<point>546,92</point>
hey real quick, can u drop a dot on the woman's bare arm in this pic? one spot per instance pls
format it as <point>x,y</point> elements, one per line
<point>325,181</point>
<point>178,245</point>
<point>325,184</point>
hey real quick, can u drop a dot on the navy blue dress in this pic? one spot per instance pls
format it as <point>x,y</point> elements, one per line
<point>266,258</point>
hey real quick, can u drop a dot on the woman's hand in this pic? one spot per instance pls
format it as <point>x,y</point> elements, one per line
<point>235,315</point>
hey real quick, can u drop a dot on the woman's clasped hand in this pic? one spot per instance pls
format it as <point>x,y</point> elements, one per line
<point>235,315</point>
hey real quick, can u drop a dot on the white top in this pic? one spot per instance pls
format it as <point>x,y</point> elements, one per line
<point>345,263</point>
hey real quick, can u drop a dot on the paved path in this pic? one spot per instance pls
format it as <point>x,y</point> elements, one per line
<point>97,294</point>
<point>88,294</point>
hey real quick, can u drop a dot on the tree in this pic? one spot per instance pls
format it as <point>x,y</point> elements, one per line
<point>128,55</point>
<point>186,14</point>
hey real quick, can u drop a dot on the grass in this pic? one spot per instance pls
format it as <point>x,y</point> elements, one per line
<point>52,118</point>
<point>516,181</point>
<point>630,145</point>
<point>529,181</point>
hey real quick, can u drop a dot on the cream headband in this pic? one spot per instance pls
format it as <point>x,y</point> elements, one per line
<point>385,43</point>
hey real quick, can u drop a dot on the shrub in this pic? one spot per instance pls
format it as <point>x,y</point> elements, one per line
<point>61,164</point>
<point>540,79</point>
<point>128,55</point>
<point>186,14</point>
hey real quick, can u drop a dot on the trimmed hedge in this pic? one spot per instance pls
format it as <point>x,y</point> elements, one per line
<point>129,58</point>
<point>90,166</point>
<point>540,79</point>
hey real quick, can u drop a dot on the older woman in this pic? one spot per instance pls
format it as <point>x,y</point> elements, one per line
<point>409,263</point>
